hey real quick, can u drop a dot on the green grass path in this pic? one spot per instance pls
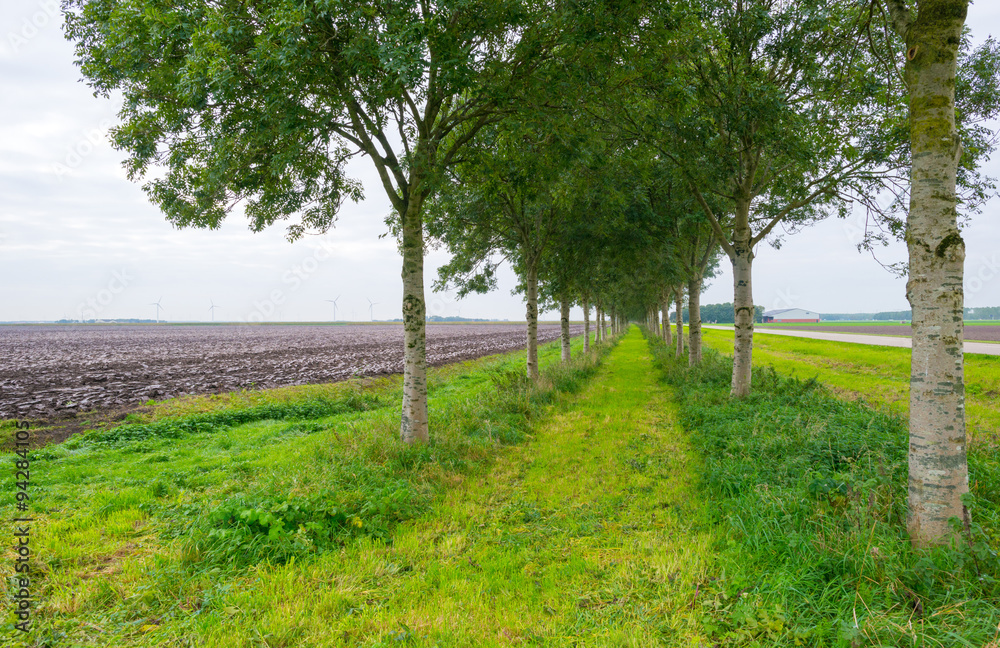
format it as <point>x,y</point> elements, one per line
<point>590,534</point>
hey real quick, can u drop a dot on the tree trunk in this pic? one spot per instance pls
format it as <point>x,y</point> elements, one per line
<point>743,310</point>
<point>531,314</point>
<point>601,327</point>
<point>413,424</point>
<point>564,327</point>
<point>665,307</point>
<point>679,308</point>
<point>694,321</point>
<point>586,325</point>
<point>938,468</point>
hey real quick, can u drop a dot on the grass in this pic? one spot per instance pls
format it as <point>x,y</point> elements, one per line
<point>576,513</point>
<point>810,490</point>
<point>870,323</point>
<point>294,517</point>
<point>138,526</point>
<point>589,534</point>
<point>879,375</point>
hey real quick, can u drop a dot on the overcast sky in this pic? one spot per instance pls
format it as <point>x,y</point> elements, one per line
<point>77,238</point>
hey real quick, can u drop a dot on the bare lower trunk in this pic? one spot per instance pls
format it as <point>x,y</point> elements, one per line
<point>531,314</point>
<point>586,325</point>
<point>665,307</point>
<point>679,313</point>
<point>694,322</point>
<point>413,424</point>
<point>564,327</point>
<point>743,312</point>
<point>938,468</point>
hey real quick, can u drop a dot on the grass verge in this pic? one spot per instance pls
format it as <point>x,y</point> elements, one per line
<point>812,492</point>
<point>147,533</point>
<point>880,376</point>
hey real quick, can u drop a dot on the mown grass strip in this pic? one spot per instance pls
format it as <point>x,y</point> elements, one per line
<point>812,491</point>
<point>590,535</point>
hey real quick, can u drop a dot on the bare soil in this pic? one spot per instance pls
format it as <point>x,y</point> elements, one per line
<point>53,373</point>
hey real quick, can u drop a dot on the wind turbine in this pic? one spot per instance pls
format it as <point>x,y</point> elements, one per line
<point>371,309</point>
<point>212,309</point>
<point>334,302</point>
<point>158,307</point>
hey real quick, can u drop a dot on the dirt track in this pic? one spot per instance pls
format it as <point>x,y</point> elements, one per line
<point>53,372</point>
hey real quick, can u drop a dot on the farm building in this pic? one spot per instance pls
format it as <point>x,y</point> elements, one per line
<point>790,315</point>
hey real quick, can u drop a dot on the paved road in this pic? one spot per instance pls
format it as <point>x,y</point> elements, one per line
<point>984,348</point>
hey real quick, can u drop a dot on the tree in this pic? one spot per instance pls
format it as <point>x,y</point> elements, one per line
<point>693,250</point>
<point>499,205</point>
<point>771,109</point>
<point>263,103</point>
<point>938,467</point>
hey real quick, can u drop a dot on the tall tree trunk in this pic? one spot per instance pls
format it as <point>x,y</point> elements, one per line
<point>531,314</point>
<point>743,310</point>
<point>694,321</point>
<point>564,327</point>
<point>938,468</point>
<point>603,327</point>
<point>679,311</point>
<point>586,325</point>
<point>413,424</point>
<point>665,307</point>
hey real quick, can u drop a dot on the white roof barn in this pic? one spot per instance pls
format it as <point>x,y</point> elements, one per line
<point>791,315</point>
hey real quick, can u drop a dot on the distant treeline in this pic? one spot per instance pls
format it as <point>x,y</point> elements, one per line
<point>864,317</point>
<point>721,314</point>
<point>107,321</point>
<point>978,313</point>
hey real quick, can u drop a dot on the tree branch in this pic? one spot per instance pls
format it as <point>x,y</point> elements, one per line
<point>902,18</point>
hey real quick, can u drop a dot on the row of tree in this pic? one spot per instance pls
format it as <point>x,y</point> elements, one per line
<point>611,152</point>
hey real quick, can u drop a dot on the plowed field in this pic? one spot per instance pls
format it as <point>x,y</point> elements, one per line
<point>51,372</point>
